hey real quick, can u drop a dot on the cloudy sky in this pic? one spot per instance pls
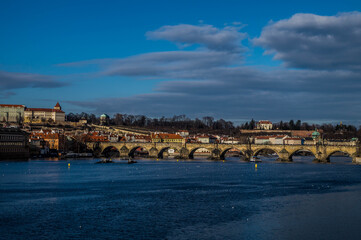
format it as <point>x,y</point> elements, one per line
<point>237,60</point>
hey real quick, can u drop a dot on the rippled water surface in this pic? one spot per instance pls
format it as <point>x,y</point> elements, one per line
<point>169,199</point>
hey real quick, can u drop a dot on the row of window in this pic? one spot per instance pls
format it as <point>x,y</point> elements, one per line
<point>11,150</point>
<point>12,144</point>
<point>11,138</point>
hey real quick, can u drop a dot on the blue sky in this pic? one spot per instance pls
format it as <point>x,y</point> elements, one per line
<point>193,57</point>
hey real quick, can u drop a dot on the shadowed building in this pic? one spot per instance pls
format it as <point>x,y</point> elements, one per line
<point>13,144</point>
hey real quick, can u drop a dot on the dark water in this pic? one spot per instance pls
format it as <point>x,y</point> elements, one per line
<point>42,199</point>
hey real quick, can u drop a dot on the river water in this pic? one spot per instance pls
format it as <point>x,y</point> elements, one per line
<point>170,199</point>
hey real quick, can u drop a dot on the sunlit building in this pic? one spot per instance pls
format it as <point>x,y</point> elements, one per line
<point>44,114</point>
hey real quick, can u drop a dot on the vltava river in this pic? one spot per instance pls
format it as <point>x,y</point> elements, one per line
<point>198,199</point>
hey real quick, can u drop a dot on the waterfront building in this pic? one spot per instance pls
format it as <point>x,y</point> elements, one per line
<point>13,144</point>
<point>53,140</point>
<point>11,113</point>
<point>40,115</point>
<point>264,125</point>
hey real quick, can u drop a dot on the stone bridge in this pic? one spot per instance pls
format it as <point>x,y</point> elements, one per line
<point>321,152</point>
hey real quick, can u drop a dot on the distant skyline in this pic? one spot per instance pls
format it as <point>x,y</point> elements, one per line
<point>237,60</point>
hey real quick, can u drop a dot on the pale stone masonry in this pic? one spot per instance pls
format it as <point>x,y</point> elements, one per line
<point>11,113</point>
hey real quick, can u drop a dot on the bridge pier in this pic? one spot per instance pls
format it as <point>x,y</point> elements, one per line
<point>215,154</point>
<point>284,156</point>
<point>247,155</point>
<point>184,153</point>
<point>124,152</point>
<point>165,155</point>
<point>153,153</point>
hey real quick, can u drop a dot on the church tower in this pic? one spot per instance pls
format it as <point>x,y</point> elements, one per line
<point>57,106</point>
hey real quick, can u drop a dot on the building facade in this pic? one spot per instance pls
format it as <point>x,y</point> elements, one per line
<point>264,125</point>
<point>167,138</point>
<point>44,114</point>
<point>13,144</point>
<point>11,113</point>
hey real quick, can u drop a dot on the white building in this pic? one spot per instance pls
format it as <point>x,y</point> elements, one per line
<point>292,141</point>
<point>183,133</point>
<point>278,139</point>
<point>203,139</point>
<point>11,113</point>
<point>264,125</point>
<point>262,140</point>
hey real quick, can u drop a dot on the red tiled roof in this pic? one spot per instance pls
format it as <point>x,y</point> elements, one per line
<point>11,105</point>
<point>57,104</point>
<point>265,122</point>
<point>44,110</point>
<point>262,137</point>
<point>167,136</point>
<point>292,139</point>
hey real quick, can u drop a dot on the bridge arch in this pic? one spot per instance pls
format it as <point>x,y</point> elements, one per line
<point>225,151</point>
<point>345,152</point>
<point>110,152</point>
<point>191,152</point>
<point>292,154</point>
<point>256,152</point>
<point>163,152</point>
<point>138,150</point>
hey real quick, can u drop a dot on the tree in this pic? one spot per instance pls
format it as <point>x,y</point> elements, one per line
<point>291,125</point>
<point>252,124</point>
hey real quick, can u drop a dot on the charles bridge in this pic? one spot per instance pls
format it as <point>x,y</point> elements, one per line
<point>321,152</point>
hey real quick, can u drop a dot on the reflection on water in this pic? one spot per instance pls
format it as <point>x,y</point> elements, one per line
<point>185,199</point>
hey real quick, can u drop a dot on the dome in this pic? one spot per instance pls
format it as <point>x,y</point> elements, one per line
<point>315,134</point>
<point>104,115</point>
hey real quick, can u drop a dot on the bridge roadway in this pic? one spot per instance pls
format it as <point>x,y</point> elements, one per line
<point>321,152</point>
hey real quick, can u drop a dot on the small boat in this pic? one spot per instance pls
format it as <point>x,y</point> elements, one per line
<point>105,161</point>
<point>255,159</point>
<point>130,161</point>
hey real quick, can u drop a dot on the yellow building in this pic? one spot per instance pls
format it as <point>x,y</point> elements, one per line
<point>167,138</point>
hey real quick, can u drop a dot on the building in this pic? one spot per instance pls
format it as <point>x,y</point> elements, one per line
<point>40,115</point>
<point>292,141</point>
<point>264,125</point>
<point>53,140</point>
<point>278,140</point>
<point>262,140</point>
<point>11,113</point>
<point>167,138</point>
<point>104,119</point>
<point>230,140</point>
<point>183,133</point>
<point>203,139</point>
<point>13,144</point>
